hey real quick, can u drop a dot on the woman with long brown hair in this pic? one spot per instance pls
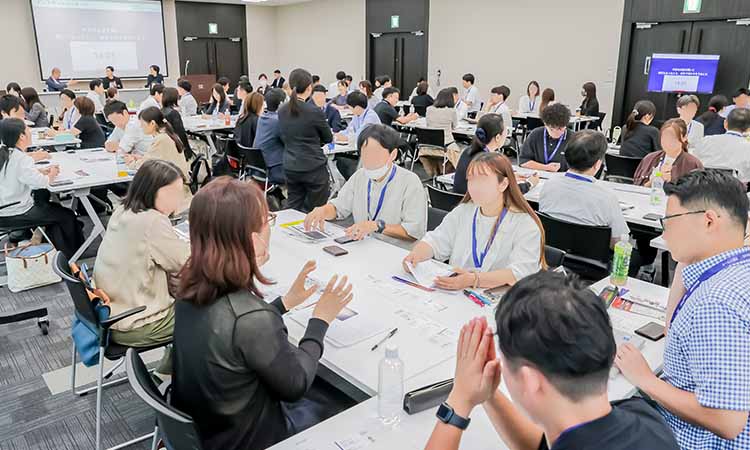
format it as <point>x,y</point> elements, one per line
<point>493,237</point>
<point>233,362</point>
<point>548,98</point>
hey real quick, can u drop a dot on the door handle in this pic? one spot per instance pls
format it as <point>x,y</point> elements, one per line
<point>700,40</point>
<point>647,66</point>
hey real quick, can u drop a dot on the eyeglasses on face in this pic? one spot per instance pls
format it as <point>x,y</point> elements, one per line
<point>672,216</point>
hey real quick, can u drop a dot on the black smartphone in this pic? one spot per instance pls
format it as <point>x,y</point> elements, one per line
<point>653,216</point>
<point>651,331</point>
<point>344,240</point>
<point>609,294</point>
<point>335,250</point>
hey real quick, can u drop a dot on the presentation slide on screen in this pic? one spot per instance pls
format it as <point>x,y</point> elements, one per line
<point>683,73</point>
<point>82,37</point>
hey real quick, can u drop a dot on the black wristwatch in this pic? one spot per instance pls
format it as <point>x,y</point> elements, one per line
<point>381,225</point>
<point>446,415</point>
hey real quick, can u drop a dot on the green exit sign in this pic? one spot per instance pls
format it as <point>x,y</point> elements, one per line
<point>692,6</point>
<point>395,21</point>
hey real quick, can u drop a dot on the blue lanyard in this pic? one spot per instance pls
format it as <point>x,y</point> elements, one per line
<point>547,156</point>
<point>532,104</point>
<point>713,270</point>
<point>690,127</point>
<point>479,259</point>
<point>70,117</point>
<point>575,176</point>
<point>360,120</point>
<point>382,195</point>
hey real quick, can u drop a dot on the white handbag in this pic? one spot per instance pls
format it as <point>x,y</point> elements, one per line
<point>30,266</point>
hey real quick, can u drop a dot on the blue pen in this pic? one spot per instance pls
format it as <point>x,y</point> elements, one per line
<point>481,297</point>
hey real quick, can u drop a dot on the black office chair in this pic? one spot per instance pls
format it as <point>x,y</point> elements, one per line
<point>586,247</point>
<point>175,428</point>
<point>254,166</point>
<point>441,199</point>
<point>435,217</point>
<point>554,256</point>
<point>598,124</point>
<point>621,169</point>
<point>533,123</point>
<point>86,312</point>
<point>433,138</point>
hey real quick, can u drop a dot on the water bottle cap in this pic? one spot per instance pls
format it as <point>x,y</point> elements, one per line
<point>391,351</point>
<point>624,237</point>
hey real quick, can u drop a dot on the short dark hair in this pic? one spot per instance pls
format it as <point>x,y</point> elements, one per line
<point>223,81</point>
<point>155,67</point>
<point>384,135</point>
<point>708,188</point>
<point>501,90</point>
<point>277,71</point>
<point>355,99</point>
<point>85,106</point>
<point>153,175</point>
<point>555,324</point>
<point>274,97</point>
<point>741,91</point>
<point>340,75</point>
<point>444,99</point>
<point>110,68</point>
<point>9,103</point>
<point>382,79</point>
<point>348,77</point>
<point>115,107</point>
<point>556,115</point>
<point>584,149</point>
<point>316,79</point>
<point>94,83</point>
<point>156,88</point>
<point>185,85</point>
<point>468,77</point>
<point>390,90</point>
<point>169,97</point>
<point>68,93</point>
<point>319,88</point>
<point>245,86</point>
<point>422,87</point>
<point>739,119</point>
<point>13,86</point>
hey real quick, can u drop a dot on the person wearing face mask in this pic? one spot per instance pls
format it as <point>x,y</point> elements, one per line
<point>243,383</point>
<point>493,238</point>
<point>640,138</point>
<point>529,103</point>
<point>687,108</point>
<point>489,137</point>
<point>381,197</point>
<point>544,147</point>
<point>262,83</point>
<point>139,254</point>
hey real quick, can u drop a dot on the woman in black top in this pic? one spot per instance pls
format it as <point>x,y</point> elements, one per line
<point>640,137</point>
<point>304,130</point>
<point>169,99</point>
<point>590,105</point>
<point>110,79</point>
<point>247,124</point>
<point>489,137</point>
<point>422,100</point>
<point>712,121</point>
<point>87,129</point>
<point>233,379</point>
<point>219,101</point>
<point>154,77</point>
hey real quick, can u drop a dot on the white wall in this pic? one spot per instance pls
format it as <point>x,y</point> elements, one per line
<point>560,44</point>
<point>262,56</point>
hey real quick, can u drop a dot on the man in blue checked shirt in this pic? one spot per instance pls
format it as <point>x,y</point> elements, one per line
<point>363,116</point>
<point>704,392</point>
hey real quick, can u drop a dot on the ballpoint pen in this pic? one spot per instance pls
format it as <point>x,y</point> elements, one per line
<point>387,336</point>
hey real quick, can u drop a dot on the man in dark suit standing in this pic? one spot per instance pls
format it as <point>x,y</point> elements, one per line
<point>278,80</point>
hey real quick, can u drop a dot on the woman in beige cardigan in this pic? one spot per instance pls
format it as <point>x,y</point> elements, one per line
<point>166,146</point>
<point>442,114</point>
<point>139,254</point>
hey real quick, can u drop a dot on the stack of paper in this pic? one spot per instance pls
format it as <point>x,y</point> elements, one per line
<point>426,272</point>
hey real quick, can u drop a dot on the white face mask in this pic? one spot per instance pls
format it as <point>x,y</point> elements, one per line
<point>376,174</point>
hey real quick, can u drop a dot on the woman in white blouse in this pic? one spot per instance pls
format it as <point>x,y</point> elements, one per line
<point>529,103</point>
<point>492,238</point>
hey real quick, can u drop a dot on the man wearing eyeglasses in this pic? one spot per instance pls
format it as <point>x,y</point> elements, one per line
<point>544,147</point>
<point>704,391</point>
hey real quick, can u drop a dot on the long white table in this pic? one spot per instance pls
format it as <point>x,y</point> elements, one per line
<point>360,425</point>
<point>464,128</point>
<point>64,139</point>
<point>127,95</point>
<point>198,125</point>
<point>80,171</point>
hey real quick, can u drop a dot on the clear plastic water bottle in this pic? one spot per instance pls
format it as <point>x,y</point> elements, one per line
<point>390,387</point>
<point>215,116</point>
<point>657,188</point>
<point>621,261</point>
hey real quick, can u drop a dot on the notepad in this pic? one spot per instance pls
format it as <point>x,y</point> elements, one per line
<point>426,272</point>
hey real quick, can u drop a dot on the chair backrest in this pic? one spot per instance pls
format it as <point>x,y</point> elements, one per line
<point>435,217</point>
<point>621,167</point>
<point>533,123</point>
<point>176,428</point>
<point>554,256</point>
<point>586,241</point>
<point>598,123</point>
<point>83,305</point>
<point>433,137</point>
<point>444,200</point>
<point>252,158</point>
<point>420,110</point>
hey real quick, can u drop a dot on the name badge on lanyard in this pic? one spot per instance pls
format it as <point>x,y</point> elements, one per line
<point>382,195</point>
<point>479,258</point>
<point>547,156</point>
<point>713,270</point>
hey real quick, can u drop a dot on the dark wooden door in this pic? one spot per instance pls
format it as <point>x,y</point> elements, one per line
<point>194,55</point>
<point>229,60</point>
<point>400,56</point>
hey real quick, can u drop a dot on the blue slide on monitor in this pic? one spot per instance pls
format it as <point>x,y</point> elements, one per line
<point>683,73</point>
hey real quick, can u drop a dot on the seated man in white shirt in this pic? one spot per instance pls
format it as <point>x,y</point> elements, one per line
<point>730,150</point>
<point>381,196</point>
<point>687,108</point>
<point>471,93</point>
<point>333,87</point>
<point>577,197</point>
<point>383,81</point>
<point>497,105</point>
<point>187,103</point>
<point>154,99</point>
<point>128,136</point>
<point>96,90</point>
<point>462,109</point>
